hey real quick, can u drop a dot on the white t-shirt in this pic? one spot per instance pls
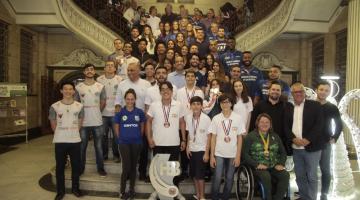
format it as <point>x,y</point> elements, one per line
<point>140,87</point>
<point>122,69</point>
<point>153,22</point>
<point>184,95</point>
<point>201,131</point>
<point>90,96</point>
<point>161,135</point>
<point>243,109</point>
<point>111,85</point>
<point>153,94</point>
<point>67,121</point>
<point>223,149</point>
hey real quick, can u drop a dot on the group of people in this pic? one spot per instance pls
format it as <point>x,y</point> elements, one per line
<point>194,96</point>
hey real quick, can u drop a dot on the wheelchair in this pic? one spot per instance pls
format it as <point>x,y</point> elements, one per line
<point>247,185</point>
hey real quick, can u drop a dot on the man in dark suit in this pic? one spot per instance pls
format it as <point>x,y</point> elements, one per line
<point>303,129</point>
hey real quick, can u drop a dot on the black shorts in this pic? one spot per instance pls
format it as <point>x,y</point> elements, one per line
<point>197,165</point>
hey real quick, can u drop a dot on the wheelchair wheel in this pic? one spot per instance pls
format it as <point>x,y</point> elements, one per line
<point>244,183</point>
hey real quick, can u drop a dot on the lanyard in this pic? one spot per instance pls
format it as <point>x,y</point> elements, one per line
<point>195,124</point>
<point>226,128</point>
<point>166,112</point>
<point>266,142</point>
<point>189,96</point>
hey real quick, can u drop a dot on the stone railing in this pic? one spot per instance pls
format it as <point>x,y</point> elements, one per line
<point>86,27</point>
<point>267,29</point>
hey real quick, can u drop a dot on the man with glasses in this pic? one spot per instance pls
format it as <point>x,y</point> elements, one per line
<point>303,129</point>
<point>164,120</point>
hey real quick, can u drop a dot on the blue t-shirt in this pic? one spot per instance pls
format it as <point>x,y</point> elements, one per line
<point>252,78</point>
<point>130,125</point>
<point>229,59</point>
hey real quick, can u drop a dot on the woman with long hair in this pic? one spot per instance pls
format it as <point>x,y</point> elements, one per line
<point>243,104</point>
<point>211,104</point>
<point>149,36</point>
<point>219,72</point>
<point>179,41</point>
<point>129,130</point>
<point>168,64</point>
<point>160,52</point>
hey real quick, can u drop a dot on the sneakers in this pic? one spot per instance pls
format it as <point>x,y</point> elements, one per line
<point>102,173</point>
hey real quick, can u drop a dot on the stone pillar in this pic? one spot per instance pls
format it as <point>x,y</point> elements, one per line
<point>353,57</point>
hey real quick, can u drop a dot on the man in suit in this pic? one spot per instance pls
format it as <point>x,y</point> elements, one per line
<point>303,129</point>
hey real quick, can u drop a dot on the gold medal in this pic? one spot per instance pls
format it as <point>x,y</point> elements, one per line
<point>266,144</point>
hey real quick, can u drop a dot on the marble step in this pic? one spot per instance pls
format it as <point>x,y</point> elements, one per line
<point>110,166</point>
<point>91,181</point>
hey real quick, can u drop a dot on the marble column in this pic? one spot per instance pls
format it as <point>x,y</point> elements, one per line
<point>353,56</point>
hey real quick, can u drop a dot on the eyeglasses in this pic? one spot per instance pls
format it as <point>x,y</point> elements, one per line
<point>225,102</point>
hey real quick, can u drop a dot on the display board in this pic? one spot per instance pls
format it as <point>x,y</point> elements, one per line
<point>13,110</point>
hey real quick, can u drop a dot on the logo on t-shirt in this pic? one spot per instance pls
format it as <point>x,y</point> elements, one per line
<point>234,128</point>
<point>124,118</point>
<point>202,130</point>
<point>60,115</point>
<point>174,115</point>
<point>137,118</point>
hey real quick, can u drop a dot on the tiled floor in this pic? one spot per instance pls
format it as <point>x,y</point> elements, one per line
<point>21,169</point>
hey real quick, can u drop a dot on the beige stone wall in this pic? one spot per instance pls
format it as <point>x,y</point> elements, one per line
<point>49,48</point>
<point>203,5</point>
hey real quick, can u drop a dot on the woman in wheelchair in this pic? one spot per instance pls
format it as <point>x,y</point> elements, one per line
<point>264,152</point>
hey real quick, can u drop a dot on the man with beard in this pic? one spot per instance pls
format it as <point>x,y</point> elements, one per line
<point>251,76</point>
<point>274,75</point>
<point>92,95</point>
<point>275,108</point>
<point>194,62</point>
<point>231,57</point>
<point>331,112</point>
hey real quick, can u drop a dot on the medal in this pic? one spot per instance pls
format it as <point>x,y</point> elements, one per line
<point>195,125</point>
<point>166,124</point>
<point>227,139</point>
<point>266,144</point>
<point>166,113</point>
<point>227,130</point>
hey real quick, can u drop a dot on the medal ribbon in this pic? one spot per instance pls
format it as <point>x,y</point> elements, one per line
<point>166,112</point>
<point>195,125</point>
<point>266,143</point>
<point>226,129</point>
<point>189,96</point>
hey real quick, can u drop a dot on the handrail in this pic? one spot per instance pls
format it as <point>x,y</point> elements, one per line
<point>85,27</point>
<point>247,16</point>
<point>267,29</point>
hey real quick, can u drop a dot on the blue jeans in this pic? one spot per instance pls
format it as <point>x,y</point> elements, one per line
<point>306,164</point>
<point>325,169</point>
<point>98,134</point>
<point>108,124</point>
<point>221,165</point>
